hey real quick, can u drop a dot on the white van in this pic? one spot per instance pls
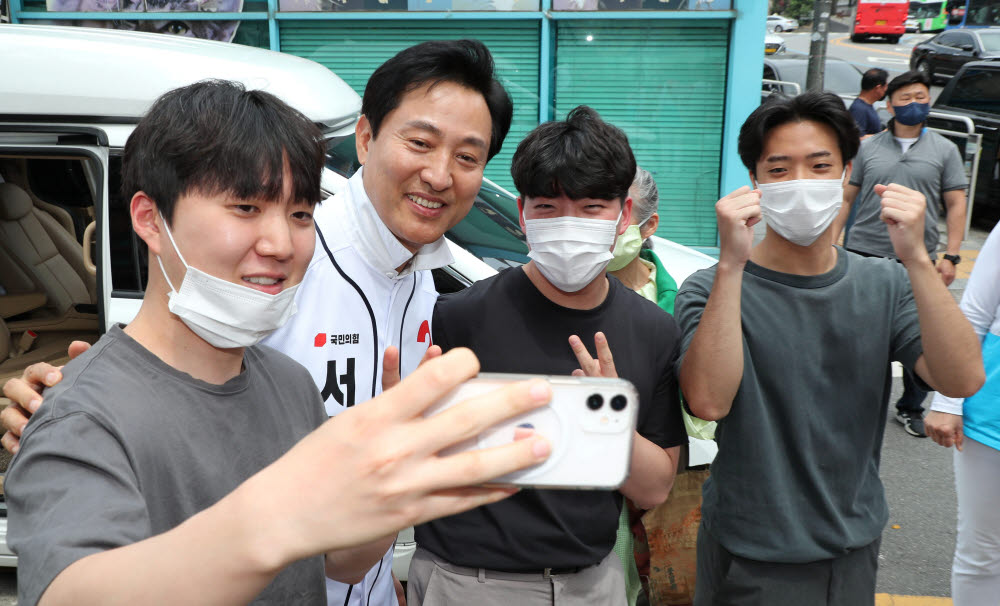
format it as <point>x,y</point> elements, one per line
<point>70,265</point>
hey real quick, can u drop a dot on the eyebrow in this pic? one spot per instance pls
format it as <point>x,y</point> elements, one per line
<point>434,130</point>
<point>819,154</point>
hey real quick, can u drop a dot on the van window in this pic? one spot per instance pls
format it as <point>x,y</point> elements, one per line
<point>127,251</point>
<point>978,90</point>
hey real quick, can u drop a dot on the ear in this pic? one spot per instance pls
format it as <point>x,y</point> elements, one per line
<point>146,220</point>
<point>888,106</point>
<point>847,173</point>
<point>626,215</point>
<point>753,179</point>
<point>650,227</point>
<point>520,212</point>
<point>363,137</point>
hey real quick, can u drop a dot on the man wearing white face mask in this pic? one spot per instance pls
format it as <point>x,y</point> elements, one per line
<point>787,344</point>
<point>925,161</point>
<point>549,546</point>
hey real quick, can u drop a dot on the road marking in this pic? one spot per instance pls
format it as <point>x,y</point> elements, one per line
<point>885,599</point>
<point>840,42</point>
<point>890,60</point>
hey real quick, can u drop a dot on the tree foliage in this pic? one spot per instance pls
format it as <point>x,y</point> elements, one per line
<point>800,10</point>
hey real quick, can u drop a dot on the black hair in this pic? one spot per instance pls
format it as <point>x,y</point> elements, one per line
<point>823,107</point>
<point>874,77</point>
<point>582,157</point>
<point>464,62</point>
<point>217,137</point>
<point>905,79</point>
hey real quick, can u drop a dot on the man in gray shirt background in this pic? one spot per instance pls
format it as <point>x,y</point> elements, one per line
<point>910,155</point>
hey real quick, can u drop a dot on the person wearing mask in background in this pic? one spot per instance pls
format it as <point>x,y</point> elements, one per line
<point>554,547</point>
<point>432,116</point>
<point>637,266</point>
<point>873,87</point>
<point>787,344</point>
<point>909,155</point>
<point>972,426</point>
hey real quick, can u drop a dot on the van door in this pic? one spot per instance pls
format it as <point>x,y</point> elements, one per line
<point>53,252</point>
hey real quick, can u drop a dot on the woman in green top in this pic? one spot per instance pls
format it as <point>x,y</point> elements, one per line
<point>635,265</point>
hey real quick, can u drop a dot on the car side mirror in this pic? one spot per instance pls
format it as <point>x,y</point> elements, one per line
<point>966,47</point>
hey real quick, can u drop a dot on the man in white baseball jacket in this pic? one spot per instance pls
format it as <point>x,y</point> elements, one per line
<point>432,116</point>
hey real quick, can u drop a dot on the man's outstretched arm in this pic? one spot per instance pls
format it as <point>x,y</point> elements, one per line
<point>952,362</point>
<point>360,477</point>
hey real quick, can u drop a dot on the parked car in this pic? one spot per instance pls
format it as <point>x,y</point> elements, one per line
<point>773,44</point>
<point>974,92</point>
<point>778,24</point>
<point>839,76</point>
<point>64,121</point>
<point>944,54</point>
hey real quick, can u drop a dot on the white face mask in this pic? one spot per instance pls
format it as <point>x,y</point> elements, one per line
<point>800,210</point>
<point>570,251</point>
<point>226,314</point>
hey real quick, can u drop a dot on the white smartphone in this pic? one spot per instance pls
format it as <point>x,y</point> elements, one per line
<point>590,422</point>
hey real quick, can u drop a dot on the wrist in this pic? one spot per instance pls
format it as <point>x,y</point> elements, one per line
<point>919,261</point>
<point>730,267</point>
<point>261,532</point>
<point>952,258</point>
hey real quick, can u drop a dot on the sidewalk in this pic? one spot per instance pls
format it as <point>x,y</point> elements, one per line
<point>969,253</point>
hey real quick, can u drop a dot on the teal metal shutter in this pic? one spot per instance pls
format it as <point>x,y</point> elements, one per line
<point>353,49</point>
<point>663,83</point>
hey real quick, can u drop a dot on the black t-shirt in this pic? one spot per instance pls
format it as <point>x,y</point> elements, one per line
<point>513,328</point>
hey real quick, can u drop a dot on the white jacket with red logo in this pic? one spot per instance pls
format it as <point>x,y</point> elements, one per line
<point>352,304</point>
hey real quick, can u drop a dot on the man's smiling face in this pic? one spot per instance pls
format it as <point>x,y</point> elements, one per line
<point>425,167</point>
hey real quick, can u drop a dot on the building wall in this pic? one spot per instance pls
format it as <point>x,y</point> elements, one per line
<point>678,76</point>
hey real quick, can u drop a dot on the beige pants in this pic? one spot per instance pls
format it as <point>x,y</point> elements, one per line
<point>435,582</point>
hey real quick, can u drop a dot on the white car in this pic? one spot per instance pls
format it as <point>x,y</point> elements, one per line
<point>773,44</point>
<point>71,266</point>
<point>778,24</point>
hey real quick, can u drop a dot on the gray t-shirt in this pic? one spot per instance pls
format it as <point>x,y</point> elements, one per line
<point>126,447</point>
<point>796,478</point>
<point>931,166</point>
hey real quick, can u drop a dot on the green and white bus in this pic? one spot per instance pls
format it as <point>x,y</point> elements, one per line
<point>930,15</point>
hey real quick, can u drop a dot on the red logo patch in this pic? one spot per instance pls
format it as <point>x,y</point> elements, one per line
<point>424,333</point>
<point>320,339</point>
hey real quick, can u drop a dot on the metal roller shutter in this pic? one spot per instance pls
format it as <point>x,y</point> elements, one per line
<point>353,49</point>
<point>674,121</point>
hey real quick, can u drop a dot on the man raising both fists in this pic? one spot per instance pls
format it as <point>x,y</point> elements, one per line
<point>787,344</point>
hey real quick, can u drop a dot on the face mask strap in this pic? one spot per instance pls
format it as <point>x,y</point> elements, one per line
<point>176,250</point>
<point>172,242</point>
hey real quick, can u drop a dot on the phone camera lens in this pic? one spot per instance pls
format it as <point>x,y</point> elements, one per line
<point>618,402</point>
<point>595,401</point>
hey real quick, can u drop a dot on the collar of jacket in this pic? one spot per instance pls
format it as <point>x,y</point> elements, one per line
<point>379,246</point>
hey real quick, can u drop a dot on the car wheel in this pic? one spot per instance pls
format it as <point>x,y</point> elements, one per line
<point>894,39</point>
<point>857,38</point>
<point>778,29</point>
<point>925,68</point>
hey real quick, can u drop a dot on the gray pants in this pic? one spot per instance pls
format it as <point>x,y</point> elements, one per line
<point>435,582</point>
<point>725,579</point>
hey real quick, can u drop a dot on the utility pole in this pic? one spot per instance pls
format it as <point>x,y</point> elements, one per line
<point>817,46</point>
